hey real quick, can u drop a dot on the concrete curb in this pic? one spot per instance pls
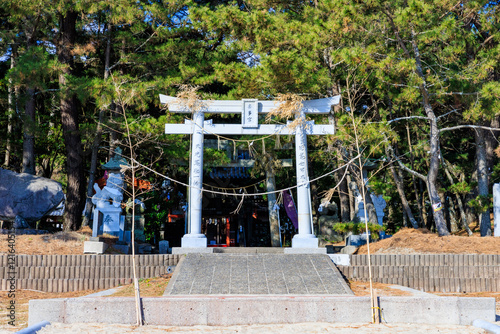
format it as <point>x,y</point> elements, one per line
<point>225,310</point>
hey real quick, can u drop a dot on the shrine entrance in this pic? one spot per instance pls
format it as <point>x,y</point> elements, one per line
<point>225,228</point>
<point>249,110</point>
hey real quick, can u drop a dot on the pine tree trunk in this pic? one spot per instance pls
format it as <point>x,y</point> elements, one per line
<point>446,210</point>
<point>459,201</point>
<point>453,215</point>
<point>398,180</point>
<point>28,133</point>
<point>114,136</point>
<point>344,199</point>
<point>28,164</point>
<point>352,201</point>
<point>414,179</point>
<point>402,195</point>
<point>482,181</point>
<point>435,152</point>
<point>437,212</point>
<point>75,192</point>
<point>343,191</point>
<point>424,212</point>
<point>491,143</point>
<point>471,216</point>
<point>97,141</point>
<point>274,223</point>
<point>433,135</point>
<point>11,108</point>
<point>116,115</point>
<point>341,176</point>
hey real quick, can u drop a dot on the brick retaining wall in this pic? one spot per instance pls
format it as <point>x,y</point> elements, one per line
<point>430,272</point>
<point>63,273</point>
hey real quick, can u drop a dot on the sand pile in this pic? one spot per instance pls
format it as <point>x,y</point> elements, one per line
<point>421,241</point>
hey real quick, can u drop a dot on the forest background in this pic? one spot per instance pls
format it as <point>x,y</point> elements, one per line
<point>418,79</point>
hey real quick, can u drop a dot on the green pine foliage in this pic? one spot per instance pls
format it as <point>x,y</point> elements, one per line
<point>385,58</point>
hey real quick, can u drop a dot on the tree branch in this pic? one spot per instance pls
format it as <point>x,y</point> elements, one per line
<point>444,115</point>
<point>455,93</point>
<point>470,127</point>
<point>408,117</point>
<point>405,168</point>
<point>396,32</point>
<point>451,9</point>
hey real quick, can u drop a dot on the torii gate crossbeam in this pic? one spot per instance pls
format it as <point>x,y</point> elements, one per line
<point>249,108</point>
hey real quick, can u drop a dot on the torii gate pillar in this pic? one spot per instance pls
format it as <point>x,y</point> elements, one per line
<point>249,109</point>
<point>305,238</point>
<point>194,238</point>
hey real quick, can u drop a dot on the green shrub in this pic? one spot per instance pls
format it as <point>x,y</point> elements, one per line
<point>357,228</point>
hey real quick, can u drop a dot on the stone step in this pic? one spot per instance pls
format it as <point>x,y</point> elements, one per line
<point>248,274</point>
<point>249,250</point>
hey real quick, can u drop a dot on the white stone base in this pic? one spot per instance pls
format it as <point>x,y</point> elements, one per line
<point>94,247</point>
<point>183,250</point>
<point>194,241</point>
<point>308,241</point>
<point>106,220</point>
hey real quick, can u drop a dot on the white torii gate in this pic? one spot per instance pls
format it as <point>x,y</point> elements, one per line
<point>249,109</point>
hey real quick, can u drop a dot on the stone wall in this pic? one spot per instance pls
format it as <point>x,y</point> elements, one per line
<point>430,272</point>
<point>63,273</point>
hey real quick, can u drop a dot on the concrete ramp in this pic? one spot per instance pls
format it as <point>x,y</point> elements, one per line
<point>257,274</point>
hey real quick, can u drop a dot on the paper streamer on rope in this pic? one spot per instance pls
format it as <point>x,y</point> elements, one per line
<point>291,211</point>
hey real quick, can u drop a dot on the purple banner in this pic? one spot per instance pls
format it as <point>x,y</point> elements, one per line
<point>291,211</point>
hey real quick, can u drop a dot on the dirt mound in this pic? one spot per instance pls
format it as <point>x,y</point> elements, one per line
<point>60,243</point>
<point>421,241</point>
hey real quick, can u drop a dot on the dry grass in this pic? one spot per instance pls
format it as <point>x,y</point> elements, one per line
<point>60,243</point>
<point>188,98</point>
<point>363,289</point>
<point>289,106</point>
<point>421,241</point>
<point>57,243</point>
<point>149,287</point>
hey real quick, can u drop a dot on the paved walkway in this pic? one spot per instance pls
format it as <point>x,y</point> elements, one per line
<point>275,274</point>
